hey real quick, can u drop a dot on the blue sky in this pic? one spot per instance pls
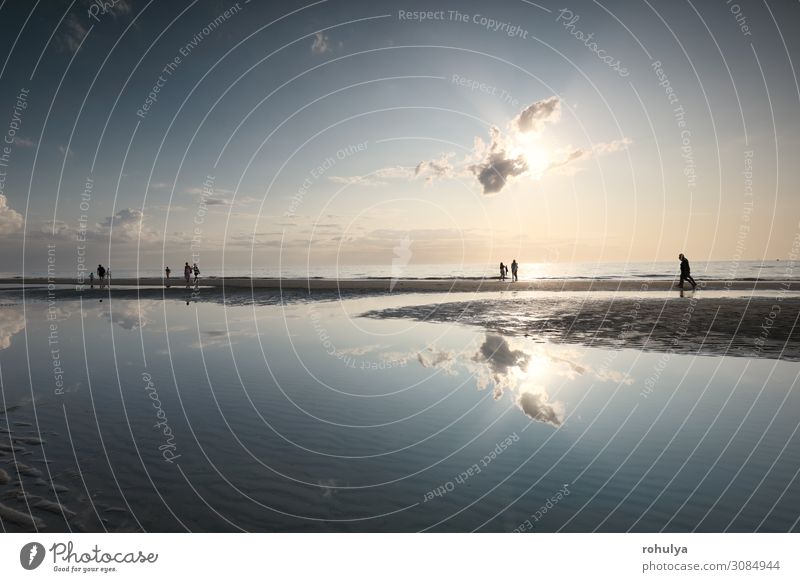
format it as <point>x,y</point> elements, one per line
<point>334,129</point>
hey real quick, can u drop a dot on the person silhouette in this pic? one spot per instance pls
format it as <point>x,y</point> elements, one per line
<point>101,274</point>
<point>167,272</point>
<point>502,271</point>
<point>196,272</point>
<point>187,273</point>
<point>514,267</point>
<point>685,272</point>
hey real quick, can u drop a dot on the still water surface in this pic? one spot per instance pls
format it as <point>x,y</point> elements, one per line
<point>307,417</point>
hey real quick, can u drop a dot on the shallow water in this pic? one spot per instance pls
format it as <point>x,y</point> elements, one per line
<point>309,417</point>
<point>666,270</point>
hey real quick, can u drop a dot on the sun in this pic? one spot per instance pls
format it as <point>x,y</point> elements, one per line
<point>535,155</point>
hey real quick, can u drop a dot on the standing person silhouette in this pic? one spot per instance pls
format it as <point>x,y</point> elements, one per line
<point>187,273</point>
<point>514,267</point>
<point>101,274</point>
<point>502,271</point>
<point>167,272</point>
<point>685,272</point>
<point>196,272</point>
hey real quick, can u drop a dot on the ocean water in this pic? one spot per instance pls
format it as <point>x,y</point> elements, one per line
<point>163,416</point>
<point>712,270</point>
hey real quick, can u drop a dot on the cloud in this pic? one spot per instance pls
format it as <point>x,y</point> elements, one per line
<point>536,115</point>
<point>509,153</point>
<point>603,148</point>
<point>508,367</point>
<point>12,321</point>
<point>538,407</point>
<point>72,35</point>
<point>435,169</point>
<point>120,7</point>
<point>217,201</point>
<point>11,221</point>
<point>607,375</point>
<point>500,359</point>
<point>503,157</point>
<point>376,178</point>
<point>115,9</point>
<point>123,218</point>
<point>24,142</point>
<point>127,225</point>
<point>356,181</point>
<point>321,44</point>
<point>221,338</point>
<point>432,357</point>
<point>501,366</point>
<point>497,353</point>
<point>566,157</point>
<point>128,315</point>
<point>496,164</point>
<point>58,229</point>
<point>361,350</point>
<point>219,197</point>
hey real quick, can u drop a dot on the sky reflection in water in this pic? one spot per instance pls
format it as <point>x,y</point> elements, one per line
<point>308,417</point>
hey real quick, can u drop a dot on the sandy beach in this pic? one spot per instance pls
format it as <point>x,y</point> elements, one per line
<point>388,285</point>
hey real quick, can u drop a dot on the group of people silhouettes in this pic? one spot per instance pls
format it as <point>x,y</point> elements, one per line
<point>504,270</point>
<point>188,272</point>
<point>103,274</point>
<point>193,270</point>
<point>686,272</point>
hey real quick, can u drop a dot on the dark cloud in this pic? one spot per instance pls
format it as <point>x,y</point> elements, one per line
<point>536,115</point>
<point>537,406</point>
<point>211,201</point>
<point>497,164</point>
<point>500,357</point>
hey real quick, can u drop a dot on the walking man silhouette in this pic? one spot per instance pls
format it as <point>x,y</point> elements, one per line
<point>685,272</point>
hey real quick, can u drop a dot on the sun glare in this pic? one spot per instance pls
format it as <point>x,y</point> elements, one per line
<point>535,155</point>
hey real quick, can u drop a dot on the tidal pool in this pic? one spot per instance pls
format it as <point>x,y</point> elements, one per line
<point>156,415</point>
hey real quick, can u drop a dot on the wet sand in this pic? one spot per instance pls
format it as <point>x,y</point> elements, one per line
<point>385,285</point>
<point>40,494</point>
<point>757,327</point>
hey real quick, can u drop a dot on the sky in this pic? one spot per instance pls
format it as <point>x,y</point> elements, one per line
<point>259,135</point>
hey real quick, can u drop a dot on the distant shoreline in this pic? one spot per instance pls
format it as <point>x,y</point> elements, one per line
<point>389,285</point>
